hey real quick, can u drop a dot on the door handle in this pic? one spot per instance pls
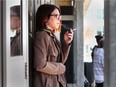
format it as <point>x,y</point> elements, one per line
<point>26,69</point>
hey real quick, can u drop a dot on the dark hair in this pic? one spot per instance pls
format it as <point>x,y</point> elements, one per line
<point>16,9</point>
<point>101,43</point>
<point>43,12</point>
<point>98,38</point>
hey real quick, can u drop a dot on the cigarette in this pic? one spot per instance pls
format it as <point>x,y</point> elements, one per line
<point>74,29</point>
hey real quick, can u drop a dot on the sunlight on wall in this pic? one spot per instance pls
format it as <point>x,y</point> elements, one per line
<point>93,25</point>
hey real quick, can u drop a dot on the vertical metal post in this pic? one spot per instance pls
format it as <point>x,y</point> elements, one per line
<point>78,43</point>
<point>1,43</point>
<point>110,43</point>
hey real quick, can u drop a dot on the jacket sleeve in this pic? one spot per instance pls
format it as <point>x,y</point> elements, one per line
<point>40,57</point>
<point>65,51</point>
<point>53,68</point>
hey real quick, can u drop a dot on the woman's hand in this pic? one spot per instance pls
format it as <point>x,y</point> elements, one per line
<point>68,36</point>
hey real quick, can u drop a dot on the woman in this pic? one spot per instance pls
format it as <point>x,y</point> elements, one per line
<point>49,54</point>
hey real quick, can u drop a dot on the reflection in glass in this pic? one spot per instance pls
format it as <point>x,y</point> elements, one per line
<point>15,25</point>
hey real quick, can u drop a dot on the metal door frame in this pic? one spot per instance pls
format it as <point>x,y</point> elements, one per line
<point>1,43</point>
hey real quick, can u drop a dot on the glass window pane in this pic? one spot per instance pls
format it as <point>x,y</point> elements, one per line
<point>15,26</point>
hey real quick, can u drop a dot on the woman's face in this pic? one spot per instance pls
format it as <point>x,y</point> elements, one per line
<point>53,22</point>
<point>15,21</point>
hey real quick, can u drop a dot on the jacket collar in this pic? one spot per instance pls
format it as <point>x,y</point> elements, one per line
<point>50,32</point>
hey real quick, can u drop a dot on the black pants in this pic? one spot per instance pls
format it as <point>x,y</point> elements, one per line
<point>99,84</point>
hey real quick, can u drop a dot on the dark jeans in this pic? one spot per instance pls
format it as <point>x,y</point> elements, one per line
<point>88,71</point>
<point>99,84</point>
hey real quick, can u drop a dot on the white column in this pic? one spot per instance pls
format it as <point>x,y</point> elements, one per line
<point>78,43</point>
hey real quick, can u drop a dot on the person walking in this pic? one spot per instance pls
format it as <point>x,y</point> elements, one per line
<point>98,63</point>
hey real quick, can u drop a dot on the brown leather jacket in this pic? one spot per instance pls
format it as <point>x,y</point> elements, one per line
<point>49,58</point>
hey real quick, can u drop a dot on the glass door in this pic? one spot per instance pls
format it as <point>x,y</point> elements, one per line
<point>15,43</point>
